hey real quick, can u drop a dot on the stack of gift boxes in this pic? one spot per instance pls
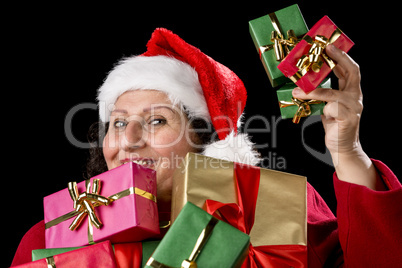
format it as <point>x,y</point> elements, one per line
<point>101,222</point>
<point>224,214</point>
<point>294,56</point>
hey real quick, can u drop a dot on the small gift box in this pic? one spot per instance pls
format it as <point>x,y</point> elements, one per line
<point>98,255</point>
<point>197,239</point>
<point>274,35</point>
<point>295,108</point>
<point>120,203</point>
<point>307,64</point>
<point>268,205</point>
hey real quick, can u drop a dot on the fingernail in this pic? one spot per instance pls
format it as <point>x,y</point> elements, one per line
<point>296,91</point>
<point>331,48</point>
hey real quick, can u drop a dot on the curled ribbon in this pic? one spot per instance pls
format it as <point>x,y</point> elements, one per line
<point>303,109</point>
<point>85,203</point>
<point>316,56</point>
<point>280,45</point>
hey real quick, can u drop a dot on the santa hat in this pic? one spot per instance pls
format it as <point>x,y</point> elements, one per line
<point>191,79</point>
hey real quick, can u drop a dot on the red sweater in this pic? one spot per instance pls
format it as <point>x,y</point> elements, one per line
<point>366,233</point>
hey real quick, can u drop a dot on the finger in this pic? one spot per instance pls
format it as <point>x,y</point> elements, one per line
<point>348,69</point>
<point>339,72</point>
<point>322,94</point>
<point>335,110</point>
<point>349,100</point>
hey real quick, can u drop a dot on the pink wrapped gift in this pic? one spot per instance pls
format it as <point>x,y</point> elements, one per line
<point>118,205</point>
<point>99,255</point>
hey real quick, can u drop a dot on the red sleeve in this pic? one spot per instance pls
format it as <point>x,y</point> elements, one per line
<point>33,239</point>
<point>323,246</point>
<point>369,222</point>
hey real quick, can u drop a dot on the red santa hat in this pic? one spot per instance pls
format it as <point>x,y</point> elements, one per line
<point>192,80</point>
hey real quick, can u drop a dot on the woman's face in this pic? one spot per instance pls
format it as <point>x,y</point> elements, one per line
<point>147,129</point>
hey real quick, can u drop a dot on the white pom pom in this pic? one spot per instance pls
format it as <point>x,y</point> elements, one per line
<point>236,148</point>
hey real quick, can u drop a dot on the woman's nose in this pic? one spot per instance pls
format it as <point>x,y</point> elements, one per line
<point>133,135</point>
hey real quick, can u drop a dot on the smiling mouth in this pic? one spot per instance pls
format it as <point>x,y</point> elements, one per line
<point>149,163</point>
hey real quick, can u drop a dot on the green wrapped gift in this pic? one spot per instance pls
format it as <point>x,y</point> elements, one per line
<point>148,247</point>
<point>295,108</point>
<point>272,38</point>
<point>38,254</point>
<point>194,230</point>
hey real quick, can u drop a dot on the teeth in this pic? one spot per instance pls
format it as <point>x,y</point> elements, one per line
<point>141,162</point>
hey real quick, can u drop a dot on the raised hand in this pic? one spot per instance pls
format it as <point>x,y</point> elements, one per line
<point>341,121</point>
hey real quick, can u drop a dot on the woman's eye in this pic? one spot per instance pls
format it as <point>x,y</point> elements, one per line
<point>119,124</point>
<point>155,122</point>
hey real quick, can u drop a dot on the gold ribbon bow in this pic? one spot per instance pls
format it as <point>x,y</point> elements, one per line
<point>316,56</point>
<point>280,44</point>
<point>85,203</point>
<point>201,241</point>
<point>303,109</point>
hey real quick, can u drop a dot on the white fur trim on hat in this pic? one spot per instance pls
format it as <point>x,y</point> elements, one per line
<point>236,148</point>
<point>176,78</point>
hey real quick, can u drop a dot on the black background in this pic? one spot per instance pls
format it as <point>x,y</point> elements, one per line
<point>56,56</point>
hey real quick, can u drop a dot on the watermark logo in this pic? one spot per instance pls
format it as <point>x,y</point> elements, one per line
<point>145,133</point>
<point>323,157</point>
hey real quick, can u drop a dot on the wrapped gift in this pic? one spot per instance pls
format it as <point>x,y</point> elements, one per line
<point>148,248</point>
<point>296,108</point>
<point>308,64</point>
<point>118,205</point>
<point>98,255</point>
<point>38,254</point>
<point>196,239</point>
<point>136,254</point>
<point>126,254</point>
<point>268,205</point>
<point>274,35</point>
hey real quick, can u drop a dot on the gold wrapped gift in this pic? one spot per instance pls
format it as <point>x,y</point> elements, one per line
<point>280,212</point>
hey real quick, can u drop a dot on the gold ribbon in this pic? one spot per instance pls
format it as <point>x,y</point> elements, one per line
<point>303,109</point>
<point>201,241</point>
<point>85,203</point>
<point>280,45</point>
<point>50,262</point>
<point>316,56</point>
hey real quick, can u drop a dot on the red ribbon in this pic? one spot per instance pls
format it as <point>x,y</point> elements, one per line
<point>241,216</point>
<point>128,255</point>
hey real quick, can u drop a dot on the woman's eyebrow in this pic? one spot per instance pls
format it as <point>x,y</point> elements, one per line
<point>148,109</point>
<point>121,111</point>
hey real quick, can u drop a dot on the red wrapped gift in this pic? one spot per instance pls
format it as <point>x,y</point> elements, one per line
<point>307,64</point>
<point>98,255</point>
